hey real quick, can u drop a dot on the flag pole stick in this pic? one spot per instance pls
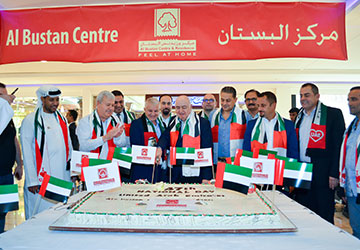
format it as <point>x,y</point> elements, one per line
<point>273,193</point>
<point>213,171</point>
<point>153,172</point>
<point>170,173</point>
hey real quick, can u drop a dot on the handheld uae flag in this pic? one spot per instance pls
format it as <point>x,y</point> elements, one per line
<point>55,189</point>
<point>76,159</point>
<point>233,177</point>
<point>123,158</point>
<point>9,198</point>
<point>203,157</point>
<point>143,154</point>
<point>298,174</point>
<point>182,156</point>
<point>102,177</point>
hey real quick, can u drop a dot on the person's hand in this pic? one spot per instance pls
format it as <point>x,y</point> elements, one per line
<point>112,133</point>
<point>33,189</point>
<point>333,182</point>
<point>121,129</point>
<point>158,155</point>
<point>18,172</point>
<point>8,98</point>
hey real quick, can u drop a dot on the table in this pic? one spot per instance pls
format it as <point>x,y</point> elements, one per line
<point>313,233</point>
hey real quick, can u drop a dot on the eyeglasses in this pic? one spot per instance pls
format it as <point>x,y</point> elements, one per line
<point>208,100</point>
<point>120,102</point>
<point>250,99</point>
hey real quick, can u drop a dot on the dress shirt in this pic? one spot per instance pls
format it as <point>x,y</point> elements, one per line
<point>269,130</point>
<point>224,135</point>
<point>249,117</point>
<point>304,134</point>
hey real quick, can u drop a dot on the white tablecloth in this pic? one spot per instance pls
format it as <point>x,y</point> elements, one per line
<point>313,233</point>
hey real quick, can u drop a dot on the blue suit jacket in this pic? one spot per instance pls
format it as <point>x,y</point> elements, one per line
<point>292,142</point>
<point>205,142</point>
<point>140,171</point>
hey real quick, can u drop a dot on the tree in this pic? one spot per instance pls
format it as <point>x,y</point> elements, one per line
<point>167,21</point>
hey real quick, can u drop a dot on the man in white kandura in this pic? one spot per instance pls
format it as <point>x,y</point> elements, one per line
<point>46,146</point>
<point>100,130</point>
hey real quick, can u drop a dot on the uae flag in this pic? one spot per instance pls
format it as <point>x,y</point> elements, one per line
<point>182,156</point>
<point>262,153</point>
<point>55,189</point>
<point>9,198</point>
<point>86,162</point>
<point>233,177</point>
<point>123,158</point>
<point>298,174</point>
<point>240,153</point>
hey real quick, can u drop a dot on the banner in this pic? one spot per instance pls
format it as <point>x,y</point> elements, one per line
<point>175,31</point>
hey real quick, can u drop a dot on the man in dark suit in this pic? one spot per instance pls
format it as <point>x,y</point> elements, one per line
<point>320,129</point>
<point>270,131</point>
<point>71,117</point>
<point>145,131</point>
<point>186,130</point>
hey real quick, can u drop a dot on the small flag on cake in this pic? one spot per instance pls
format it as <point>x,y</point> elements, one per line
<point>233,177</point>
<point>123,158</point>
<point>86,162</point>
<point>143,154</point>
<point>203,157</point>
<point>102,177</point>
<point>9,198</point>
<point>77,157</point>
<point>182,156</point>
<point>240,153</point>
<point>298,174</point>
<point>55,189</point>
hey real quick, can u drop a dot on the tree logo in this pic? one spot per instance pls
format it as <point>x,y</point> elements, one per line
<point>167,22</point>
<point>102,173</point>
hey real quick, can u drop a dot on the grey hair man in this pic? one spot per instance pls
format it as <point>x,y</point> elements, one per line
<point>100,130</point>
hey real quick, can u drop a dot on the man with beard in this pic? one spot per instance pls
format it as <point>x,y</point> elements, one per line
<point>209,107</point>
<point>320,129</point>
<point>146,131</point>
<point>123,115</point>
<point>228,126</point>
<point>271,131</point>
<point>46,145</point>
<point>350,164</point>
<point>251,104</point>
<point>165,108</point>
<point>164,119</point>
<point>186,130</point>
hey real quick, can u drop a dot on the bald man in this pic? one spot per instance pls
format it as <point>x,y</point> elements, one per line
<point>187,130</point>
<point>209,106</point>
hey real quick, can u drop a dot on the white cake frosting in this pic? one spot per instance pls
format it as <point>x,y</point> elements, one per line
<point>215,209</point>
